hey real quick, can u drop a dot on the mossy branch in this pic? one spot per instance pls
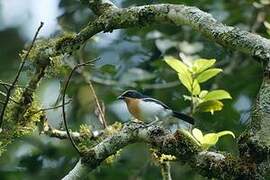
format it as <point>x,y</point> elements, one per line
<point>209,164</point>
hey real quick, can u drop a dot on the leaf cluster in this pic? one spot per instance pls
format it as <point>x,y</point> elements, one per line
<point>192,76</point>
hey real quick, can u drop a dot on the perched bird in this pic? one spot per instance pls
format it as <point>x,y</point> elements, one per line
<point>148,109</point>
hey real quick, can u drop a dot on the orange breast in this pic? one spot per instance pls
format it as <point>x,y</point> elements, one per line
<point>133,107</point>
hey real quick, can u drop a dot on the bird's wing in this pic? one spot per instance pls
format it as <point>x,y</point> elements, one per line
<point>156,101</point>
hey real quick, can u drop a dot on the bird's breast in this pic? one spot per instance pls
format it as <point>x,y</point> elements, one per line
<point>133,107</point>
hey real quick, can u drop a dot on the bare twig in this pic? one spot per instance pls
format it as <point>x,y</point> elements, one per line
<point>52,132</point>
<point>5,95</point>
<point>100,109</point>
<point>63,101</point>
<point>259,21</point>
<point>166,170</point>
<point>51,108</point>
<point>6,85</point>
<point>18,74</point>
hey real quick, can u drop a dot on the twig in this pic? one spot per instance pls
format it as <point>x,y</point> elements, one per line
<point>52,132</point>
<point>18,74</point>
<point>259,21</point>
<point>63,101</point>
<point>100,110</point>
<point>51,108</point>
<point>5,95</point>
<point>6,85</point>
<point>166,170</point>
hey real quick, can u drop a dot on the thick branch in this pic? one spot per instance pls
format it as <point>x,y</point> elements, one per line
<point>99,6</point>
<point>200,21</point>
<point>78,172</point>
<point>209,164</point>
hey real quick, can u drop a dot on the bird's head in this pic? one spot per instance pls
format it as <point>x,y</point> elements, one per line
<point>131,94</point>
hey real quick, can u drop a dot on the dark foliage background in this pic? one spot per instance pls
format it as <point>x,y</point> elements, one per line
<point>129,59</point>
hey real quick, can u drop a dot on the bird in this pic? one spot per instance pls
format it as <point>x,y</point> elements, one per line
<point>149,110</point>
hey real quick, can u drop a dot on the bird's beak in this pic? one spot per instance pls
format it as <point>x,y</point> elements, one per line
<point>121,97</point>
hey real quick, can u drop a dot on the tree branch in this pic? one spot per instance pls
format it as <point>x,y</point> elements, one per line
<point>63,102</point>
<point>52,132</point>
<point>178,15</point>
<point>78,172</point>
<point>99,6</point>
<point>209,164</point>
<point>166,170</point>
<point>18,74</point>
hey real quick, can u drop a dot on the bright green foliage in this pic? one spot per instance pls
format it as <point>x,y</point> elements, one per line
<point>210,106</point>
<point>207,140</point>
<point>208,74</point>
<point>192,76</point>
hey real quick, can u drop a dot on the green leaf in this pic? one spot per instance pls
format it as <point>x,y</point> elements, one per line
<point>176,64</point>
<point>191,136</point>
<point>197,134</point>
<point>186,79</point>
<point>217,95</point>
<point>196,89</point>
<point>223,133</point>
<point>208,74</point>
<point>210,106</point>
<point>209,140</point>
<point>203,93</point>
<point>202,64</point>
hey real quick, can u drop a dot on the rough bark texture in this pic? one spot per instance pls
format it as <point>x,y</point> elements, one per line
<point>210,164</point>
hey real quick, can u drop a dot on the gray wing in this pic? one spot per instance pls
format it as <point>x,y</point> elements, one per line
<point>156,101</point>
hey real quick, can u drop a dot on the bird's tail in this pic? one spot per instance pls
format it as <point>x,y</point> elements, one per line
<point>183,117</point>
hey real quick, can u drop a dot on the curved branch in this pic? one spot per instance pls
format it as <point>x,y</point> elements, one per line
<point>210,164</point>
<point>178,15</point>
<point>78,172</point>
<point>99,6</point>
<point>63,102</point>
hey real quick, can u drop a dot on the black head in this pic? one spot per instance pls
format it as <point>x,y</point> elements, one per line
<point>131,94</point>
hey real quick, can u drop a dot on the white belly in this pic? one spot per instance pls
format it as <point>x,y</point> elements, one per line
<point>151,111</point>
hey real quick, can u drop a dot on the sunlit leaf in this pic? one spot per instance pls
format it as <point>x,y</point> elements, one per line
<point>223,133</point>
<point>182,69</point>
<point>203,93</point>
<point>191,136</point>
<point>209,140</point>
<point>210,106</point>
<point>196,89</point>
<point>217,95</point>
<point>186,79</point>
<point>208,74</point>
<point>266,24</point>
<point>197,134</point>
<point>202,64</point>
<point>176,64</point>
